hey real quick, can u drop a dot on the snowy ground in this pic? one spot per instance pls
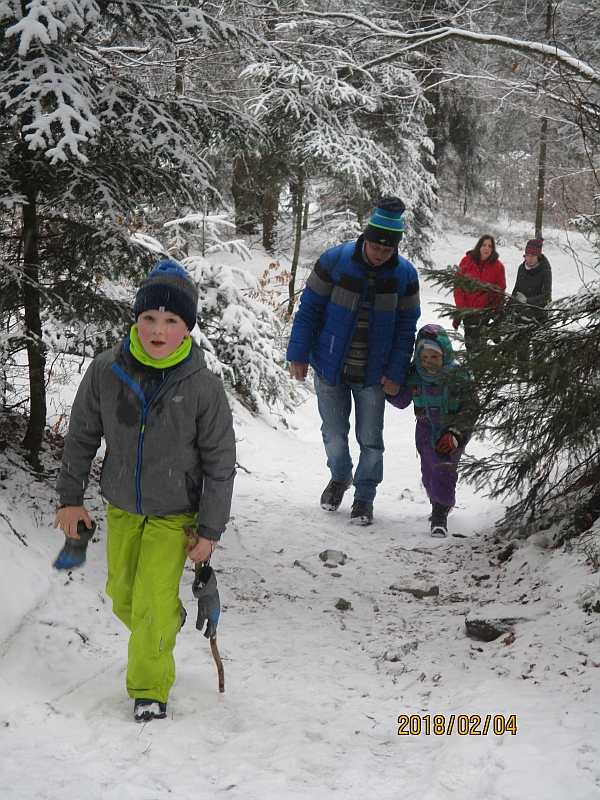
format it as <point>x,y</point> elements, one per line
<point>313,693</point>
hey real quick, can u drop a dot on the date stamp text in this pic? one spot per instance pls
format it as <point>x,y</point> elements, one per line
<point>462,724</point>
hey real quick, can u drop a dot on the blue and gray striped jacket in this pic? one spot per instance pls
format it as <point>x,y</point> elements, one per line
<point>329,310</point>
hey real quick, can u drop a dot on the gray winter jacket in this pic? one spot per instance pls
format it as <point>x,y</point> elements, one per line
<point>536,285</point>
<point>170,444</point>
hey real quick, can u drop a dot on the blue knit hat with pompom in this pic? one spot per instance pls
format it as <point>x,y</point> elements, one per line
<point>168,288</point>
<point>386,226</point>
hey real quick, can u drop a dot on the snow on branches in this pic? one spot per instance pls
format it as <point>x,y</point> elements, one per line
<point>242,337</point>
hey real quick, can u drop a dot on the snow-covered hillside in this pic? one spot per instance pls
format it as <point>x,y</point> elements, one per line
<point>313,692</point>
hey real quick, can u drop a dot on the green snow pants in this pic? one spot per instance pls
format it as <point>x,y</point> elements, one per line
<point>146,556</point>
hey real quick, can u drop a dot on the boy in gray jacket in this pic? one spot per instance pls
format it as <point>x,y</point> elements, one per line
<point>169,462</point>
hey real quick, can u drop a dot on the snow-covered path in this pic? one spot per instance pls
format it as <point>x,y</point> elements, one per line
<point>313,693</point>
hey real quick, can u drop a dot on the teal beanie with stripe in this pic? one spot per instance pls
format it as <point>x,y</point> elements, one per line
<point>386,226</point>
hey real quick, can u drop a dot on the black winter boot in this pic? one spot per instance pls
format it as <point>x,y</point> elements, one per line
<point>439,520</point>
<point>362,512</point>
<point>333,494</point>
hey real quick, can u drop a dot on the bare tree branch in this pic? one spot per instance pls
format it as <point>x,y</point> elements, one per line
<point>420,38</point>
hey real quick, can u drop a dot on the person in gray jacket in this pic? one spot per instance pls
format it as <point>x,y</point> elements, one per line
<point>533,287</point>
<point>169,462</point>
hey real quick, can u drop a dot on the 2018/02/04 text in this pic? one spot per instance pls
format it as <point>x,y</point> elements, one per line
<point>462,724</point>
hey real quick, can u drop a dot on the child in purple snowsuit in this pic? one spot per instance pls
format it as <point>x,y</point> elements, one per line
<point>441,431</point>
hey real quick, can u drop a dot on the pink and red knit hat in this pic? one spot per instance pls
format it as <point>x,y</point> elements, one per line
<point>534,247</point>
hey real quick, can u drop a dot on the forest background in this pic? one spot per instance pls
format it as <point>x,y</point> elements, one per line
<point>133,130</point>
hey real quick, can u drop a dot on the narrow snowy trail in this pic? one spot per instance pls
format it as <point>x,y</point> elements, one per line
<point>313,693</point>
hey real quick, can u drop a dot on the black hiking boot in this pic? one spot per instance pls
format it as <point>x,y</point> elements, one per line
<point>331,499</point>
<point>439,520</point>
<point>362,512</point>
<point>145,709</point>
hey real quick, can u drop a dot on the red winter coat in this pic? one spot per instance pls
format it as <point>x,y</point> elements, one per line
<point>486,272</point>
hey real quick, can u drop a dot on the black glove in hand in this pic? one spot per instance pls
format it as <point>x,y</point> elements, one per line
<point>209,605</point>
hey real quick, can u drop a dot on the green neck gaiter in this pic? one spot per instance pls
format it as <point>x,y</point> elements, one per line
<point>138,352</point>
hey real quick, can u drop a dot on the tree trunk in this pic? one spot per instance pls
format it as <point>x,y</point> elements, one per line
<point>360,210</point>
<point>429,16</point>
<point>541,187</point>
<point>270,207</point>
<point>539,211</point>
<point>244,197</point>
<point>179,72</point>
<point>305,221</point>
<point>33,329</point>
<point>296,256</point>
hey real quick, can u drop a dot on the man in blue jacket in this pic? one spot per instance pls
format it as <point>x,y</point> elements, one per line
<point>356,327</point>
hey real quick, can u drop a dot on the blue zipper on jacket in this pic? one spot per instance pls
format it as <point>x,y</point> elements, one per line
<point>145,406</point>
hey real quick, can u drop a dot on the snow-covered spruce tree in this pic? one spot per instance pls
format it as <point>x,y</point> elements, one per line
<point>242,337</point>
<point>538,390</point>
<point>549,74</point>
<point>88,136</point>
<point>355,134</point>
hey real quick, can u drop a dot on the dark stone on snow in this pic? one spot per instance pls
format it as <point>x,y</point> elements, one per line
<point>343,605</point>
<point>480,577</point>
<point>334,556</point>
<point>418,593</point>
<point>487,630</point>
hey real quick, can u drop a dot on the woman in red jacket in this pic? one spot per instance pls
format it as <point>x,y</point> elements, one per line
<point>481,264</point>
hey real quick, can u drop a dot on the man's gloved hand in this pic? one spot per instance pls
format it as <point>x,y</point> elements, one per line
<point>456,323</point>
<point>520,297</point>
<point>449,441</point>
<point>209,605</point>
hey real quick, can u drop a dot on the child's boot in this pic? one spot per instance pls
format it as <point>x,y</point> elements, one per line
<point>73,553</point>
<point>439,520</point>
<point>145,709</point>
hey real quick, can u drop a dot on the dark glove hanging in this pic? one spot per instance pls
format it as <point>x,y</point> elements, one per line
<point>449,442</point>
<point>456,323</point>
<point>209,605</point>
<point>74,552</point>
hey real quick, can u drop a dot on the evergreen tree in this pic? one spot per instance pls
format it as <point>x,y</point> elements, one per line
<point>89,141</point>
<point>242,337</point>
<point>537,384</point>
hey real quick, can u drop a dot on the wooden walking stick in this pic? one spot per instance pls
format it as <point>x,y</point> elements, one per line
<point>193,540</point>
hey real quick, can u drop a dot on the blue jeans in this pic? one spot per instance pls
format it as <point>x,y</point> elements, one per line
<point>335,403</point>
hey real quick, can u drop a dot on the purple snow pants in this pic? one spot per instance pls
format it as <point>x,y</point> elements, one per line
<point>439,472</point>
